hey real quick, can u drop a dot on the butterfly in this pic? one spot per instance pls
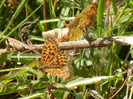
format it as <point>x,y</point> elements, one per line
<point>53,60</point>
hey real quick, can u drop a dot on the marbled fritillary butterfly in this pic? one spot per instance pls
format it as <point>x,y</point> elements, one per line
<point>53,60</point>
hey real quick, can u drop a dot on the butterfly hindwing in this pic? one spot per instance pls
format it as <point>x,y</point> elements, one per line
<point>57,71</point>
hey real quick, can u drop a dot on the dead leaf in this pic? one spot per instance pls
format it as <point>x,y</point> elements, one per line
<point>87,16</point>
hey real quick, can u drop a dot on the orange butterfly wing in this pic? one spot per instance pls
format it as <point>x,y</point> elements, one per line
<point>53,58</point>
<point>57,71</point>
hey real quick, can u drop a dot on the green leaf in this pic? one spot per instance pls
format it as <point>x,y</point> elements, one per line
<point>100,17</point>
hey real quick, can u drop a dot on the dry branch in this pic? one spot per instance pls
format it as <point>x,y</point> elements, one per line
<point>93,43</point>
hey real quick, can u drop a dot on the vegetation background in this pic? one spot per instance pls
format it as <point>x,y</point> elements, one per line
<point>98,72</point>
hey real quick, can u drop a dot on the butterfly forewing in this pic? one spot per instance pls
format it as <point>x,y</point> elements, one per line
<point>50,48</point>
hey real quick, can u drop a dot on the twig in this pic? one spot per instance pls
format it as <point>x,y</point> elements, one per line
<point>127,80</point>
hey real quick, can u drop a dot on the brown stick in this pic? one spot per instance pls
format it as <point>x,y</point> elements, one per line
<point>92,43</point>
<point>119,89</point>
